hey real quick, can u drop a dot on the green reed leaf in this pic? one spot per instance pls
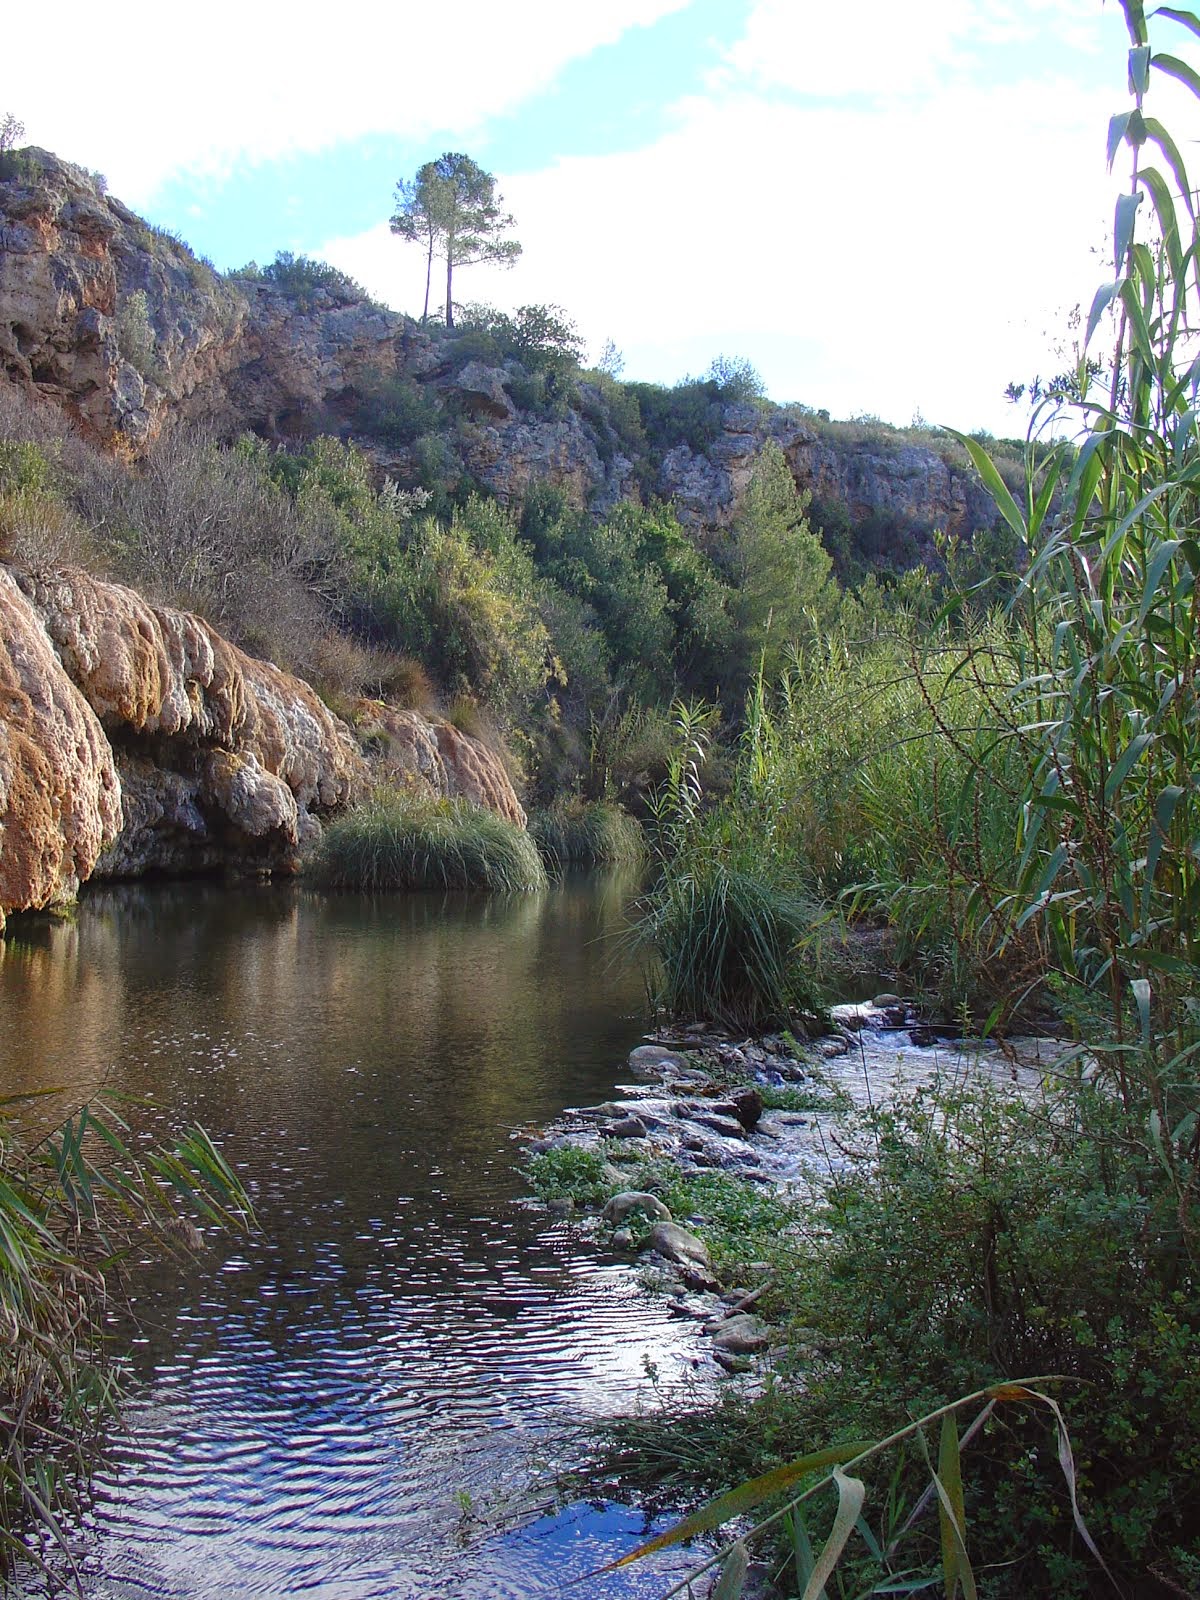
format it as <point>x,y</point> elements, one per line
<point>851,1494</point>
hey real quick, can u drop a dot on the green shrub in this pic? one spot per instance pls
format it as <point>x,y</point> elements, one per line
<point>304,280</point>
<point>586,833</point>
<point>400,841</point>
<point>136,336</point>
<point>398,411</point>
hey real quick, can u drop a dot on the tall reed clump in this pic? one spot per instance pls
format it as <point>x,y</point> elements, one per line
<point>587,833</point>
<point>402,841</point>
<point>74,1200</point>
<point>878,772</point>
<point>1104,709</point>
<point>722,925</point>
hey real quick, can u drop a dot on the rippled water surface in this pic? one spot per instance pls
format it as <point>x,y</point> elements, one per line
<point>362,1399</point>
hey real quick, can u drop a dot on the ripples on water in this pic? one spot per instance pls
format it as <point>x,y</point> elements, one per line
<point>344,1404</point>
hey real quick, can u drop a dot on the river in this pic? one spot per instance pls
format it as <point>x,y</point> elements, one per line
<point>369,1396</point>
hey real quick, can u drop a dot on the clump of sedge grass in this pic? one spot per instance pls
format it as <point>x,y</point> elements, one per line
<point>399,841</point>
<point>726,938</point>
<point>581,833</point>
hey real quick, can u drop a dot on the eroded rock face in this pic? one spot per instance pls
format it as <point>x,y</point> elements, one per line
<point>126,330</point>
<point>224,760</point>
<point>411,749</point>
<point>877,473</point>
<point>135,739</point>
<point>60,798</point>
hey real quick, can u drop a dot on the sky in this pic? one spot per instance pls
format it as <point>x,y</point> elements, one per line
<point>888,209</point>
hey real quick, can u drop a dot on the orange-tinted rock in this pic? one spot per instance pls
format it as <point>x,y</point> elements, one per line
<point>433,754</point>
<point>135,739</point>
<point>475,773</point>
<point>60,799</point>
<point>227,761</point>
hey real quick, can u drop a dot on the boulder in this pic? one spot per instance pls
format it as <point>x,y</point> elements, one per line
<point>685,1252</point>
<point>620,1206</point>
<point>626,1128</point>
<point>650,1061</point>
<point>741,1335</point>
<point>747,1107</point>
<point>481,389</point>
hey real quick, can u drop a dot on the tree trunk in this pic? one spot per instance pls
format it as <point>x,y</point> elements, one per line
<point>428,276</point>
<point>449,278</point>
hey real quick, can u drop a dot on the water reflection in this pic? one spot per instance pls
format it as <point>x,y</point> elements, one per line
<point>322,1401</point>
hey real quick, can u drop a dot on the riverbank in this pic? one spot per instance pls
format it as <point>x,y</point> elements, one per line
<point>705,1170</point>
<point>880,1226</point>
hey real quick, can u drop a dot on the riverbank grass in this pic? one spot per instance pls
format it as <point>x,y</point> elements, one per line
<point>587,833</point>
<point>400,841</point>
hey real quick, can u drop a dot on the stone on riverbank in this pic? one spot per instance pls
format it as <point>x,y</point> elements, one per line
<point>741,1335</point>
<point>651,1061</point>
<point>620,1206</point>
<point>688,1254</point>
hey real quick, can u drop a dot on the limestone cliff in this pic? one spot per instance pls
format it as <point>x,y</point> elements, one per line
<point>135,739</point>
<point>125,330</point>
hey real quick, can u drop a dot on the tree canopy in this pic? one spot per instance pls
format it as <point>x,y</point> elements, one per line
<point>452,208</point>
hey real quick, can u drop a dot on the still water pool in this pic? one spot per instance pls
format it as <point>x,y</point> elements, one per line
<point>368,1397</point>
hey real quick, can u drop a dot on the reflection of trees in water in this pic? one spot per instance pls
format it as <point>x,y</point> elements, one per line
<point>362,1061</point>
<point>373,1030</point>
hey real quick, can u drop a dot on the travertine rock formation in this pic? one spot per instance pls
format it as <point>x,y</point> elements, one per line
<point>421,752</point>
<point>135,739</point>
<point>60,799</point>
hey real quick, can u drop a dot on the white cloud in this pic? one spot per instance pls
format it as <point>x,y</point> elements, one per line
<point>149,89</point>
<point>888,47</point>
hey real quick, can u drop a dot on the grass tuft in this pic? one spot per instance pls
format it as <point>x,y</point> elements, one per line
<point>399,841</point>
<point>587,834</point>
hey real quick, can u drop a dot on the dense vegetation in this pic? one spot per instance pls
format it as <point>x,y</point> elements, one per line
<point>992,764</point>
<point>1012,792</point>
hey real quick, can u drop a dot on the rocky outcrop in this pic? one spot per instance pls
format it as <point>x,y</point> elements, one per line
<point>224,761</point>
<point>419,751</point>
<point>869,469</point>
<point>60,798</point>
<point>135,739</point>
<point>126,331</point>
